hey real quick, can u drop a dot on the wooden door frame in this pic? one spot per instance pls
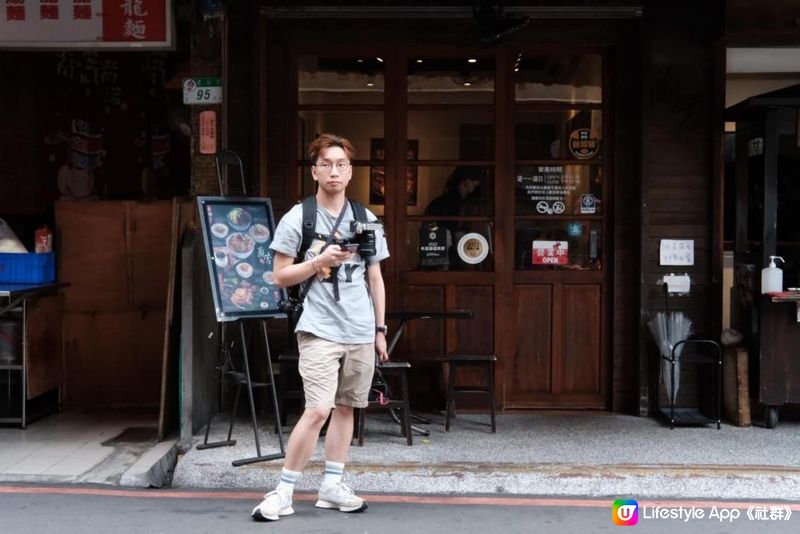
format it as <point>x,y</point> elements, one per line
<point>503,277</point>
<point>505,290</point>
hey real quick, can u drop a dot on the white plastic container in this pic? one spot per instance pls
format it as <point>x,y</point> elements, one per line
<point>772,277</point>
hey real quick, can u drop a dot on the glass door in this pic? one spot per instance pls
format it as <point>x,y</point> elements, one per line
<point>559,223</point>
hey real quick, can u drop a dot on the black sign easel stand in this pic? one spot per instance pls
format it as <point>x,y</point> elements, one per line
<point>227,368</point>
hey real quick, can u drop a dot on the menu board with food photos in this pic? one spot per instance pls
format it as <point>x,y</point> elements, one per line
<point>237,233</point>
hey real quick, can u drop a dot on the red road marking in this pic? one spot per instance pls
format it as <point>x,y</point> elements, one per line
<point>455,500</point>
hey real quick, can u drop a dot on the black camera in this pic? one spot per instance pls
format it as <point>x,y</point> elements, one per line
<point>365,237</point>
<point>292,307</point>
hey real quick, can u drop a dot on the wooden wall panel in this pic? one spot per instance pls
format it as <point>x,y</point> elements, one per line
<point>680,123</point>
<point>150,252</point>
<point>90,241</point>
<point>45,364</point>
<point>475,336</point>
<point>624,310</point>
<point>581,372</point>
<point>112,359</point>
<point>529,368</point>
<point>117,266</point>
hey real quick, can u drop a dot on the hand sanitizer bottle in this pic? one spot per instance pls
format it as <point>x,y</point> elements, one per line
<point>772,277</point>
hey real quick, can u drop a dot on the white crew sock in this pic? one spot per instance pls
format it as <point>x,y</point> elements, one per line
<point>333,472</point>
<point>288,478</point>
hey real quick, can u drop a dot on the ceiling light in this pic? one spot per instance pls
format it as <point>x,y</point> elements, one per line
<point>379,59</point>
<point>516,69</point>
<point>359,60</point>
<point>472,60</point>
<point>467,84</point>
<point>419,61</point>
<point>370,84</point>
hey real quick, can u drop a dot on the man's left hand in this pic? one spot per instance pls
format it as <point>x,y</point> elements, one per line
<point>380,347</point>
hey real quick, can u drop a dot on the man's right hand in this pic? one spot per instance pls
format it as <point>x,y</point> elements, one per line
<point>333,256</point>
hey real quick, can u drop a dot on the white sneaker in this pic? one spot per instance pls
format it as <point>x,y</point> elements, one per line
<point>341,497</point>
<point>275,504</point>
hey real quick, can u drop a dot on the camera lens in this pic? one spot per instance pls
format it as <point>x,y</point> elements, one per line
<point>366,243</point>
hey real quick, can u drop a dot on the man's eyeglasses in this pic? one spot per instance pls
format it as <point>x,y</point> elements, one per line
<point>326,166</point>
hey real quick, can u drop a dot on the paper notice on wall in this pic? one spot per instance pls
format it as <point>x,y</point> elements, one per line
<point>677,252</point>
<point>678,283</point>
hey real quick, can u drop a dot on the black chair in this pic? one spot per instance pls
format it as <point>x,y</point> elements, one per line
<point>485,362</point>
<point>394,404</point>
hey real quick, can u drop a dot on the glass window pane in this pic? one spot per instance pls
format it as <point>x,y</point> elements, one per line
<point>574,78</point>
<point>451,81</point>
<point>558,190</point>
<point>358,189</point>
<point>453,191</point>
<point>569,134</point>
<point>453,135</point>
<point>558,245</point>
<point>356,80</point>
<point>360,127</point>
<point>466,246</point>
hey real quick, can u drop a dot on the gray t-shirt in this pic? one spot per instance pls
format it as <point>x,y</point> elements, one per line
<point>352,318</point>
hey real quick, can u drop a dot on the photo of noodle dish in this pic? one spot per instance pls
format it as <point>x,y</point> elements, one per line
<point>259,233</point>
<point>219,230</point>
<point>239,219</point>
<point>244,269</point>
<point>240,245</point>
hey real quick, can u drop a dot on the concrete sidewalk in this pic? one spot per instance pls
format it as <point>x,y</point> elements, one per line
<point>113,448</point>
<point>566,454</point>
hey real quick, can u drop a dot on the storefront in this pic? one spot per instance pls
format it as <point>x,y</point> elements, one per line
<point>526,162</point>
<point>496,166</point>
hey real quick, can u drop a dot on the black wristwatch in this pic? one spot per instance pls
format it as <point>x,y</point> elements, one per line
<point>382,329</point>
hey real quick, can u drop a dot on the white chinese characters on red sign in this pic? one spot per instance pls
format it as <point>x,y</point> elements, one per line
<point>550,253</point>
<point>99,23</point>
<point>134,20</point>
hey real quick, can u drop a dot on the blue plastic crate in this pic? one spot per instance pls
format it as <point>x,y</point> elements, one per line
<point>27,268</point>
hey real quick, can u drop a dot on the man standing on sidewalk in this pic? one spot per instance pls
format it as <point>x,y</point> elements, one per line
<point>340,330</point>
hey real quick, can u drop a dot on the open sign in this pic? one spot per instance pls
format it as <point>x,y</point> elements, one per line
<point>550,253</point>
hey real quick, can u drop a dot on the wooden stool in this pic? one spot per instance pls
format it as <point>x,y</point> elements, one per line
<point>288,388</point>
<point>454,362</point>
<point>399,369</point>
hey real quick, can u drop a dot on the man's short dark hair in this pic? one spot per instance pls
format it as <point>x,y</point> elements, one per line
<point>328,140</point>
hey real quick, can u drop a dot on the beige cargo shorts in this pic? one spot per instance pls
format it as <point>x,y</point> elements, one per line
<point>335,373</point>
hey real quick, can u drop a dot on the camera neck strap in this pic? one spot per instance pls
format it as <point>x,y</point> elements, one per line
<point>334,271</point>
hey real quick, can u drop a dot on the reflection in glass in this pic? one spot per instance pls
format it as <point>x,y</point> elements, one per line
<point>453,135</point>
<point>360,127</point>
<point>558,245</point>
<point>451,81</point>
<point>358,189</point>
<point>558,190</point>
<point>571,134</point>
<point>452,246</point>
<point>322,80</point>
<point>463,190</point>
<point>574,78</point>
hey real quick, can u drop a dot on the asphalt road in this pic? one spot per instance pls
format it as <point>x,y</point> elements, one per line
<point>102,510</point>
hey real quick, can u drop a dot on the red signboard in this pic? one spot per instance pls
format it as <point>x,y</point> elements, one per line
<point>208,132</point>
<point>107,24</point>
<point>134,20</point>
<point>550,253</point>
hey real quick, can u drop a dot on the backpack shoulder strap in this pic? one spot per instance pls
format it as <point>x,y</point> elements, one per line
<point>359,210</point>
<point>309,224</point>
